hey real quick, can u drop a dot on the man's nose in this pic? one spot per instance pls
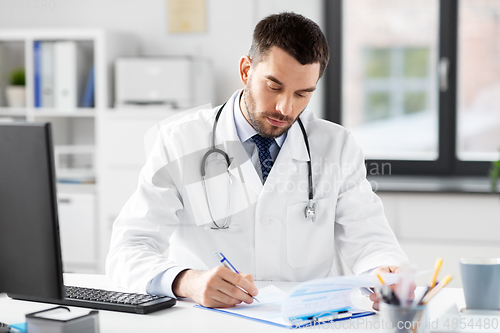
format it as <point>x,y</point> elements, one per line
<point>285,105</point>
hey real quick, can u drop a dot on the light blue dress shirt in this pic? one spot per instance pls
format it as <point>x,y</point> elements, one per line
<point>245,132</point>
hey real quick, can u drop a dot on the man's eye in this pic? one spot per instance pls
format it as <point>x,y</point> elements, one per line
<point>301,95</point>
<point>274,88</point>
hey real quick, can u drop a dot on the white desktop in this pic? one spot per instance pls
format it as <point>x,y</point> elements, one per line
<point>183,317</point>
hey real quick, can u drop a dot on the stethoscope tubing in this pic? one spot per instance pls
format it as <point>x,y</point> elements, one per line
<point>310,209</point>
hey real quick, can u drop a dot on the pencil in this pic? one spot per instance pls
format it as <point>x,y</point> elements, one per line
<point>434,291</point>
<point>437,267</point>
<point>432,283</point>
<point>380,278</point>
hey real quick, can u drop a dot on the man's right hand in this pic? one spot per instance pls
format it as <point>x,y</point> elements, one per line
<point>216,288</point>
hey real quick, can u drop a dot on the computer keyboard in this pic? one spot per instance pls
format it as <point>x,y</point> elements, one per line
<point>116,301</point>
<point>100,299</point>
<point>99,295</point>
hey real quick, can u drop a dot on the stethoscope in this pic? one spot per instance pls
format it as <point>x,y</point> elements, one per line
<point>309,211</point>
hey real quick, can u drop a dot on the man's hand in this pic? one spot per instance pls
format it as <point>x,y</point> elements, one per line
<point>390,269</point>
<point>216,288</point>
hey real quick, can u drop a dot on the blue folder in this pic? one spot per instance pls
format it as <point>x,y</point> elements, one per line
<point>307,324</point>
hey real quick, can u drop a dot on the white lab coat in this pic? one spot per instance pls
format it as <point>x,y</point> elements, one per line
<point>166,223</point>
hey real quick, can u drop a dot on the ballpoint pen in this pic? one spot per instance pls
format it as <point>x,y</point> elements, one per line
<point>223,260</point>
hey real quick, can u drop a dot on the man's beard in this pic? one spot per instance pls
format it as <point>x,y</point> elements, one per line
<point>259,124</point>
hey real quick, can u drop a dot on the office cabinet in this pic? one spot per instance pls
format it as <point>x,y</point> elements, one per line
<point>74,125</point>
<point>450,217</point>
<point>122,154</point>
<point>77,227</point>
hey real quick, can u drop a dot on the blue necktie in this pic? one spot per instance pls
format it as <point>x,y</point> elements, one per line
<point>266,161</point>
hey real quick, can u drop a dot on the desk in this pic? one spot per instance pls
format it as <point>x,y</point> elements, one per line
<point>184,318</point>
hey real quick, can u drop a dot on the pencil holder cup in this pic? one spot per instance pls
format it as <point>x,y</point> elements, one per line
<point>398,319</point>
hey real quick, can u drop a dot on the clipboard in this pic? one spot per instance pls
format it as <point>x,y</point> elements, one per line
<point>308,323</point>
<point>309,304</point>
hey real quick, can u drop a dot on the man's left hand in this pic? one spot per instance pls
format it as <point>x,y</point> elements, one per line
<point>390,269</point>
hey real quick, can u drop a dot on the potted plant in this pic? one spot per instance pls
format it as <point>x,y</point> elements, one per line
<point>16,91</point>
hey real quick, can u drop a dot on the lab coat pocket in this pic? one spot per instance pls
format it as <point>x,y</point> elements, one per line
<point>210,200</point>
<point>310,243</point>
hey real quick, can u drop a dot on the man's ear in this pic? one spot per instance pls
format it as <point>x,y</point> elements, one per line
<point>245,66</point>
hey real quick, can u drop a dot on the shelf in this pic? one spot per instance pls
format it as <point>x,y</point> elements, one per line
<point>75,163</point>
<point>76,188</point>
<point>46,112</point>
<point>82,174</point>
<point>75,129</point>
<point>53,34</point>
<point>12,112</point>
<point>74,149</point>
<point>76,113</point>
<point>142,112</point>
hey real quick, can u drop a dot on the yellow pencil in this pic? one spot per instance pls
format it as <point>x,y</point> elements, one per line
<point>437,267</point>
<point>434,291</point>
<point>380,278</point>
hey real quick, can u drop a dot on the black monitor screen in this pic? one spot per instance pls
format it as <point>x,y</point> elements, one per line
<point>30,258</point>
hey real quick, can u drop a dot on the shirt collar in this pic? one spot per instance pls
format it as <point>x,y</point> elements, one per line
<point>244,130</point>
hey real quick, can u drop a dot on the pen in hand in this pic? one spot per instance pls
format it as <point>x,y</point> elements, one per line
<point>223,260</point>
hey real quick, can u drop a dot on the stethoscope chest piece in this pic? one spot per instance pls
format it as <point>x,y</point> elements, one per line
<point>310,211</point>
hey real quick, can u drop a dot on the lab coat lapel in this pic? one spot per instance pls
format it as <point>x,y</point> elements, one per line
<point>295,142</point>
<point>241,166</point>
<point>294,148</point>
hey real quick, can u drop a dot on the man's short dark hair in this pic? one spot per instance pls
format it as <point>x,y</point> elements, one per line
<point>297,35</point>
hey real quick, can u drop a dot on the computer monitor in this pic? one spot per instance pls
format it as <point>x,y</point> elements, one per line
<point>30,252</point>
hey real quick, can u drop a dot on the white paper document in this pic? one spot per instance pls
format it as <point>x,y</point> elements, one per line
<point>310,303</point>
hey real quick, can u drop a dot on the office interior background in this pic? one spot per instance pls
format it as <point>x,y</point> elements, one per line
<point>417,82</point>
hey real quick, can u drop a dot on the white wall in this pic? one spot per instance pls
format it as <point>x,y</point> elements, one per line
<point>230,25</point>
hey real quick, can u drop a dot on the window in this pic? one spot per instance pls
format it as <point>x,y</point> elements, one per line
<point>396,81</point>
<point>417,82</point>
<point>478,80</point>
<point>398,95</point>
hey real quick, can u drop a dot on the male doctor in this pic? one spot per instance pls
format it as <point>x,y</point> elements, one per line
<point>251,204</point>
